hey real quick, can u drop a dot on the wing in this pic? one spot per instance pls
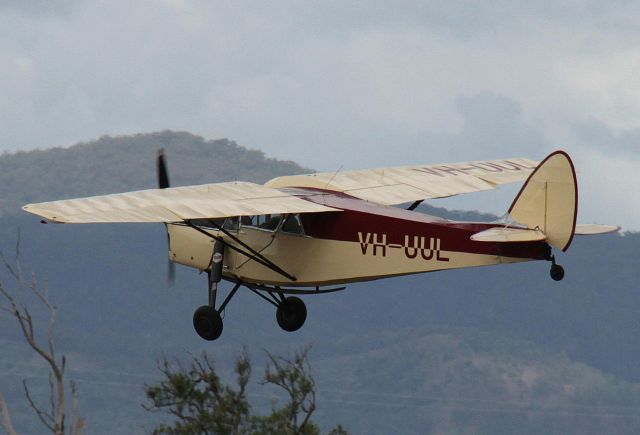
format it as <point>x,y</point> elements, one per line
<point>397,185</point>
<point>175,204</point>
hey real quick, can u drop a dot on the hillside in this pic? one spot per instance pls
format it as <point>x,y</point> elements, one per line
<point>478,351</point>
<point>124,163</point>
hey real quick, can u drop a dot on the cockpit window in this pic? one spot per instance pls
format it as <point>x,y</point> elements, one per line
<point>231,223</point>
<point>208,223</point>
<point>268,222</point>
<point>292,224</point>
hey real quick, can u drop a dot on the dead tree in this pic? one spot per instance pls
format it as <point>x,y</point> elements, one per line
<point>6,418</point>
<point>55,417</point>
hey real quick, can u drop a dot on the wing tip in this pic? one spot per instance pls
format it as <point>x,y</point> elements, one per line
<point>595,229</point>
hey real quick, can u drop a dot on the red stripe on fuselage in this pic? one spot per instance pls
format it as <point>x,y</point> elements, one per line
<point>359,216</point>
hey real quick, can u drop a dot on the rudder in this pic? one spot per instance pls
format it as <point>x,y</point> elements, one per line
<point>548,200</point>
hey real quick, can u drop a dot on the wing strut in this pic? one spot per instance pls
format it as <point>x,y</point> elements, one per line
<point>252,254</point>
<point>415,204</point>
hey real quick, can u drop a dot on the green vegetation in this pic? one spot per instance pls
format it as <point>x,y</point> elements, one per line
<point>460,380</point>
<point>200,403</point>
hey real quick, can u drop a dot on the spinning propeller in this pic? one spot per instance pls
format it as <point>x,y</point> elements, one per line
<point>163,183</point>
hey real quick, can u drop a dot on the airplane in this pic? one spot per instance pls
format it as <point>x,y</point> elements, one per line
<point>313,234</point>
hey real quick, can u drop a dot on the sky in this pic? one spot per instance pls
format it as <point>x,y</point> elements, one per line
<point>337,85</point>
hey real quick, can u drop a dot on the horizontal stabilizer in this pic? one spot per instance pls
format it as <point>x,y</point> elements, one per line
<point>509,235</point>
<point>589,229</point>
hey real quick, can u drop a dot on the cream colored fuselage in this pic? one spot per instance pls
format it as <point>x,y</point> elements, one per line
<point>317,262</point>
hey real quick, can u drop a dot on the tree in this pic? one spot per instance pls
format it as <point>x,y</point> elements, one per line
<point>197,399</point>
<point>7,425</point>
<point>201,404</point>
<point>292,376</point>
<point>55,417</point>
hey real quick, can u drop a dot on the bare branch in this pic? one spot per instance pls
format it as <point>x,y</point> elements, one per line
<point>55,419</point>
<point>16,271</point>
<point>28,321</point>
<point>6,417</point>
<point>9,268</point>
<point>45,418</point>
<point>18,266</point>
<point>26,324</point>
<point>8,297</point>
<point>52,402</point>
<point>43,296</point>
<point>8,310</point>
<point>77,422</point>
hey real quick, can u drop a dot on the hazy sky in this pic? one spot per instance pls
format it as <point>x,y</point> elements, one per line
<point>335,84</point>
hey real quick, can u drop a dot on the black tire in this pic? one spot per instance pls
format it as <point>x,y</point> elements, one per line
<point>291,314</point>
<point>207,323</point>
<point>556,272</point>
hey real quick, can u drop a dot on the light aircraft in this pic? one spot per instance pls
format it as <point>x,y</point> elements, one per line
<point>311,234</point>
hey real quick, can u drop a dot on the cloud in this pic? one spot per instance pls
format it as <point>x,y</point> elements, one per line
<point>600,137</point>
<point>40,8</point>
<point>492,124</point>
<point>328,84</point>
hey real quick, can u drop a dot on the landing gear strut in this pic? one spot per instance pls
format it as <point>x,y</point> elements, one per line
<point>207,320</point>
<point>291,312</point>
<point>557,271</point>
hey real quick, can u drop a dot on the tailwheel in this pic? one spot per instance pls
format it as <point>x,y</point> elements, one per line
<point>556,272</point>
<point>207,322</point>
<point>291,314</point>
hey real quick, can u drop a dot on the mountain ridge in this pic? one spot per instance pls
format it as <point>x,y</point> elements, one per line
<point>98,167</point>
<point>428,336</point>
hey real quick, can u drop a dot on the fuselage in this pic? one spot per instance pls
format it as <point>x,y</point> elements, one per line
<point>364,241</point>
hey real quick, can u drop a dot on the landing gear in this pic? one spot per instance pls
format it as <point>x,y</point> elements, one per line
<point>207,322</point>
<point>291,313</point>
<point>557,271</point>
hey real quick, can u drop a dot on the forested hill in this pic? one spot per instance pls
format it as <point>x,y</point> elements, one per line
<point>494,350</point>
<point>124,163</point>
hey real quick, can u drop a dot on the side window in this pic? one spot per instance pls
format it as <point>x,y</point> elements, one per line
<point>231,223</point>
<point>267,222</point>
<point>208,223</point>
<point>271,222</point>
<point>293,225</point>
<point>248,221</point>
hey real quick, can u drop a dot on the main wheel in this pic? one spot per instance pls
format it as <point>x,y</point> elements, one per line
<point>556,272</point>
<point>207,322</point>
<point>291,314</point>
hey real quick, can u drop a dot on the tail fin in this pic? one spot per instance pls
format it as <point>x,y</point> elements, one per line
<point>548,200</point>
